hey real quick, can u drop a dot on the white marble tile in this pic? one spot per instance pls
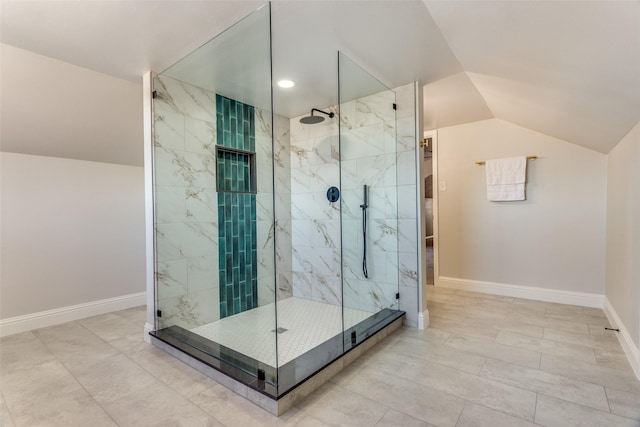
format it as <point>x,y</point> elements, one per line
<point>171,278</point>
<point>390,137</point>
<point>374,296</point>
<point>201,205</point>
<point>183,169</point>
<point>383,235</point>
<point>303,284</point>
<point>376,170</point>
<point>314,151</point>
<point>266,249</point>
<point>375,108</point>
<point>264,172</point>
<point>362,142</point>
<point>347,115</point>
<point>407,236</point>
<point>200,136</point>
<point>284,284</point>
<point>327,289</point>
<point>313,206</point>
<point>406,134</point>
<point>407,201</point>
<point>406,168</point>
<point>301,232</point>
<point>263,121</point>
<point>315,178</point>
<point>168,128</point>
<point>186,240</point>
<point>325,234</point>
<point>322,261</point>
<point>170,204</point>
<point>190,310</point>
<point>408,269</point>
<point>203,273</point>
<point>186,99</point>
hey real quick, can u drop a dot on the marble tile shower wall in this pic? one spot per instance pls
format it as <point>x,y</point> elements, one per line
<point>315,224</point>
<point>186,204</point>
<point>187,208</point>
<point>408,240</point>
<point>368,153</point>
<point>269,163</point>
<point>371,147</point>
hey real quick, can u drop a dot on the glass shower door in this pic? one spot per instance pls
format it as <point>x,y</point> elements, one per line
<point>214,210</point>
<point>369,208</point>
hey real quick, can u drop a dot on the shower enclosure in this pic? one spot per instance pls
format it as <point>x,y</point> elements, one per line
<point>261,221</point>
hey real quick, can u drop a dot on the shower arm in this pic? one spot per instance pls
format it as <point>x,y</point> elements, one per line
<point>330,114</point>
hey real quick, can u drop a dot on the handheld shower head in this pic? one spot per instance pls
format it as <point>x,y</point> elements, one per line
<point>312,120</point>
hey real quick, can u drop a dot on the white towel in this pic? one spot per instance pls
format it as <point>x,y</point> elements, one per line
<point>506,179</point>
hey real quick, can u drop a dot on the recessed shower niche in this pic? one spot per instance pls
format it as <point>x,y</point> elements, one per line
<point>260,282</point>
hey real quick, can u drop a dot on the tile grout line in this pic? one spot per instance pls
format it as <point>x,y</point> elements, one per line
<point>4,401</point>
<point>606,396</point>
<point>75,378</point>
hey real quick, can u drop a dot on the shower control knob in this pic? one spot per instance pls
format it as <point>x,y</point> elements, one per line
<point>333,194</point>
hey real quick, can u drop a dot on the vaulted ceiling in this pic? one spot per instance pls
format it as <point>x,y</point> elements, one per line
<point>567,69</point>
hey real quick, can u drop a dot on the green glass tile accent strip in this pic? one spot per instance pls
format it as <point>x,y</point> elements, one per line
<point>237,236</point>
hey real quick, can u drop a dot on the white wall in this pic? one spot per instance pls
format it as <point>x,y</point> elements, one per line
<point>554,240</point>
<point>52,108</point>
<point>623,233</point>
<point>72,232</point>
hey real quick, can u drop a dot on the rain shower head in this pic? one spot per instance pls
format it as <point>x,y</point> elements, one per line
<point>312,120</point>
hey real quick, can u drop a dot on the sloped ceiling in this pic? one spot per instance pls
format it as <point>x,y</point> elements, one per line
<point>567,69</point>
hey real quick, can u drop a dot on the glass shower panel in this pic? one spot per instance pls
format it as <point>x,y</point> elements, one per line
<point>214,211</point>
<point>369,208</point>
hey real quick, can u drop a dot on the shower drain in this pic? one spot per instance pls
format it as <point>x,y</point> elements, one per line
<point>280,330</point>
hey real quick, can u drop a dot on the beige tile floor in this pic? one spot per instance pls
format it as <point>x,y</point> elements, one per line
<point>485,361</point>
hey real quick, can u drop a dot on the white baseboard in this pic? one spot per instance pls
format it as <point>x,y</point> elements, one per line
<point>423,320</point>
<point>527,292</point>
<point>42,319</point>
<point>630,349</point>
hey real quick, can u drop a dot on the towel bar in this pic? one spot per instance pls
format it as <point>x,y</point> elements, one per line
<point>482,162</point>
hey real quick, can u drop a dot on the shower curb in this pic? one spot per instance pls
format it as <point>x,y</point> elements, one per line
<point>279,406</point>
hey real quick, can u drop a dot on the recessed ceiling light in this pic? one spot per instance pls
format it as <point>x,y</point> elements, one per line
<point>286,83</point>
